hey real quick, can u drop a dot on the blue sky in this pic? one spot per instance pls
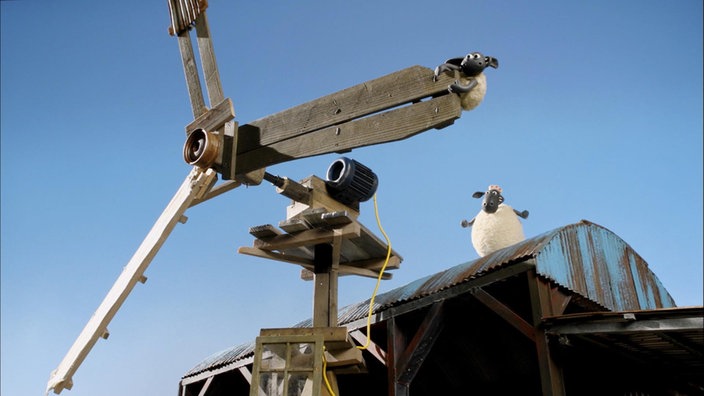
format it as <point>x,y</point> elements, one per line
<point>595,113</point>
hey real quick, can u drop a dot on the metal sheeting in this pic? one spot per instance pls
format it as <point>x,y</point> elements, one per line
<point>222,358</point>
<point>592,261</point>
<point>586,259</point>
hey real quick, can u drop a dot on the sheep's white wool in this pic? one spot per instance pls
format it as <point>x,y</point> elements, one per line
<point>471,99</point>
<point>494,231</point>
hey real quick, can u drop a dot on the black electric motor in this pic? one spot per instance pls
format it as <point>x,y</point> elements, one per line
<point>350,182</point>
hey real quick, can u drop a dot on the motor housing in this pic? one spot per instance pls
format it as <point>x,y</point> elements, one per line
<point>350,182</point>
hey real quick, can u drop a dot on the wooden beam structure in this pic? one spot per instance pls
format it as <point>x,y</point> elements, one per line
<point>389,108</point>
<point>386,109</point>
<point>404,359</point>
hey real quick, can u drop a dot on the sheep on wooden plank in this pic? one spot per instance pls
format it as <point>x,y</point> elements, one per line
<point>496,226</point>
<point>470,81</point>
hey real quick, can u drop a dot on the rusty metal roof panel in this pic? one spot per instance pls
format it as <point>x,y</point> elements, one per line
<point>592,261</point>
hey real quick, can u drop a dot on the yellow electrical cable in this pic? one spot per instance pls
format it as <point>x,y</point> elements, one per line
<point>378,280</point>
<point>371,302</point>
<point>325,374</point>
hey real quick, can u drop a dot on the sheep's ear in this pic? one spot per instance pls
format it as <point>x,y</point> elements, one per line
<point>478,194</point>
<point>493,62</point>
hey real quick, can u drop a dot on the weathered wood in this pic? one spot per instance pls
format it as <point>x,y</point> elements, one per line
<point>551,378</point>
<point>393,125</point>
<point>268,254</point>
<point>334,337</point>
<point>195,185</point>
<point>401,87</point>
<point>396,342</point>
<point>326,264</point>
<point>373,348</point>
<point>264,231</point>
<point>207,58</point>
<point>304,238</point>
<point>190,69</point>
<point>217,190</point>
<point>214,118</point>
<point>420,345</point>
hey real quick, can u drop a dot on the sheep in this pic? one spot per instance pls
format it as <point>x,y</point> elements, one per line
<point>496,226</point>
<point>470,81</point>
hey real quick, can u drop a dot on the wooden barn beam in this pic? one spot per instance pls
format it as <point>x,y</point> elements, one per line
<point>405,359</point>
<point>505,313</point>
<point>551,378</point>
<point>374,349</point>
<point>454,291</point>
<point>396,342</point>
<point>421,344</point>
<point>206,386</point>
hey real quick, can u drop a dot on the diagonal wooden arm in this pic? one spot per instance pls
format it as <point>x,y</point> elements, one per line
<point>195,186</point>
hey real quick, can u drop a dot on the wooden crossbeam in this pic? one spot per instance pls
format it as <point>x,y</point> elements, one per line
<point>405,86</point>
<point>382,110</point>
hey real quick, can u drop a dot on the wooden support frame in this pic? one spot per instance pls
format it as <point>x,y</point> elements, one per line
<point>373,348</point>
<point>551,377</point>
<point>404,359</point>
<point>505,313</point>
<point>326,265</point>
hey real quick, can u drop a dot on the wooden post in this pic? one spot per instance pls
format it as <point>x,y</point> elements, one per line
<point>326,264</point>
<point>551,378</point>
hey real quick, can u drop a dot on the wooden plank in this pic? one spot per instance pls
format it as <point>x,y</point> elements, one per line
<point>294,225</point>
<point>375,264</point>
<point>347,269</point>
<point>392,125</point>
<point>404,86</point>
<point>214,118</point>
<point>195,92</point>
<point>196,184</point>
<point>267,254</point>
<point>373,348</point>
<point>207,58</point>
<point>264,231</point>
<point>304,238</point>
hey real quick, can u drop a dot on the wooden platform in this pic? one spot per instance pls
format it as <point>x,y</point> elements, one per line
<point>361,252</point>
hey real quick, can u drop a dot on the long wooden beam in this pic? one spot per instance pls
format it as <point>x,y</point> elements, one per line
<point>196,184</point>
<point>405,86</point>
<point>383,110</point>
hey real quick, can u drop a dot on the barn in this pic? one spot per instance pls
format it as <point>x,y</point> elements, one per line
<point>573,311</point>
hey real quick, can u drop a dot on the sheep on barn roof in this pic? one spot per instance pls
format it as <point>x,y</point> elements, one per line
<point>496,226</point>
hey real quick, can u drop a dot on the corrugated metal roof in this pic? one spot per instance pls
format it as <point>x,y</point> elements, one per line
<point>592,261</point>
<point>584,258</point>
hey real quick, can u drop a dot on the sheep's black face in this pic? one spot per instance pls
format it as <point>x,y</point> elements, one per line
<point>492,200</point>
<point>475,63</point>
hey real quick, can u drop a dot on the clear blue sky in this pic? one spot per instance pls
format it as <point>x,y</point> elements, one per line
<point>595,113</point>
